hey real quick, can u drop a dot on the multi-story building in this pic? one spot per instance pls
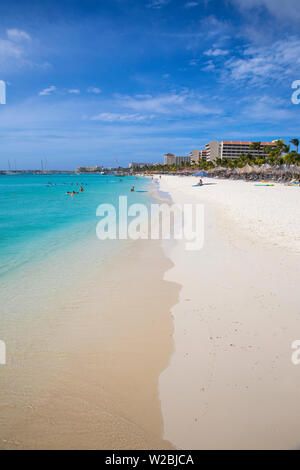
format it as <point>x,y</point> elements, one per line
<point>171,159</point>
<point>232,149</point>
<point>235,149</point>
<point>203,155</point>
<point>198,155</point>
<point>89,169</point>
<point>212,151</point>
<point>134,165</point>
<point>195,156</point>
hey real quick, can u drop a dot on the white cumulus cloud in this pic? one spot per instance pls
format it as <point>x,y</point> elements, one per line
<point>47,91</point>
<point>94,90</point>
<point>17,35</point>
<point>275,61</point>
<point>191,4</point>
<point>216,52</point>
<point>13,47</point>
<point>157,4</point>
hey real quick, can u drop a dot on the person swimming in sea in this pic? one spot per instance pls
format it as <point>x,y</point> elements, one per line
<point>72,193</point>
<point>132,189</point>
<point>81,189</point>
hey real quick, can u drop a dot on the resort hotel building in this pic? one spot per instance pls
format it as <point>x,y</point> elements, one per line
<point>215,150</point>
<point>235,149</point>
<point>135,165</point>
<point>171,159</point>
<point>89,169</point>
<point>198,155</point>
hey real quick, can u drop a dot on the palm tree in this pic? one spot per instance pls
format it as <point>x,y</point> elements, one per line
<point>296,143</point>
<point>281,148</point>
<point>255,146</point>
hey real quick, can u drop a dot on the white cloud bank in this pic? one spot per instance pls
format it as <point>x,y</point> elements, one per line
<point>276,61</point>
<point>169,107</point>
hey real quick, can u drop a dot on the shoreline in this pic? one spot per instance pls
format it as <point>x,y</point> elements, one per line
<point>230,382</point>
<point>197,357</point>
<point>83,373</point>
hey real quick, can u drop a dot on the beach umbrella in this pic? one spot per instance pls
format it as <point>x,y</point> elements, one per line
<point>201,173</point>
<point>241,171</point>
<point>287,171</point>
<point>219,169</point>
<point>248,170</point>
<point>295,170</point>
<point>256,169</point>
<point>265,167</point>
<point>213,171</point>
<point>265,170</point>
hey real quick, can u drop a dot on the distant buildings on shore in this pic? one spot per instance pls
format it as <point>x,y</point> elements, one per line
<point>135,166</point>
<point>89,169</point>
<point>234,149</point>
<point>219,150</point>
<point>170,159</point>
<point>213,151</point>
<point>197,155</point>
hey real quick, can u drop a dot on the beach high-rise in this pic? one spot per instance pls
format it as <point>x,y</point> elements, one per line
<point>235,149</point>
<point>213,151</point>
<point>197,156</point>
<point>171,159</point>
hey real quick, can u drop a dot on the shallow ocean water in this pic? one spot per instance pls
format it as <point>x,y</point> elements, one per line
<point>38,220</point>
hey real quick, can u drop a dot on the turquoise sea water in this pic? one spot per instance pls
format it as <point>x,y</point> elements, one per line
<point>38,219</point>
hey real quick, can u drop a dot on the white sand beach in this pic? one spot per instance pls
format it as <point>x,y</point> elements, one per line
<point>190,352</point>
<point>230,382</point>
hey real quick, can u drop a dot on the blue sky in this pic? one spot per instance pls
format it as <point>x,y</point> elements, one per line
<point>93,80</point>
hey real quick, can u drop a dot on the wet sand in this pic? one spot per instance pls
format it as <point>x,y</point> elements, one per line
<point>83,374</point>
